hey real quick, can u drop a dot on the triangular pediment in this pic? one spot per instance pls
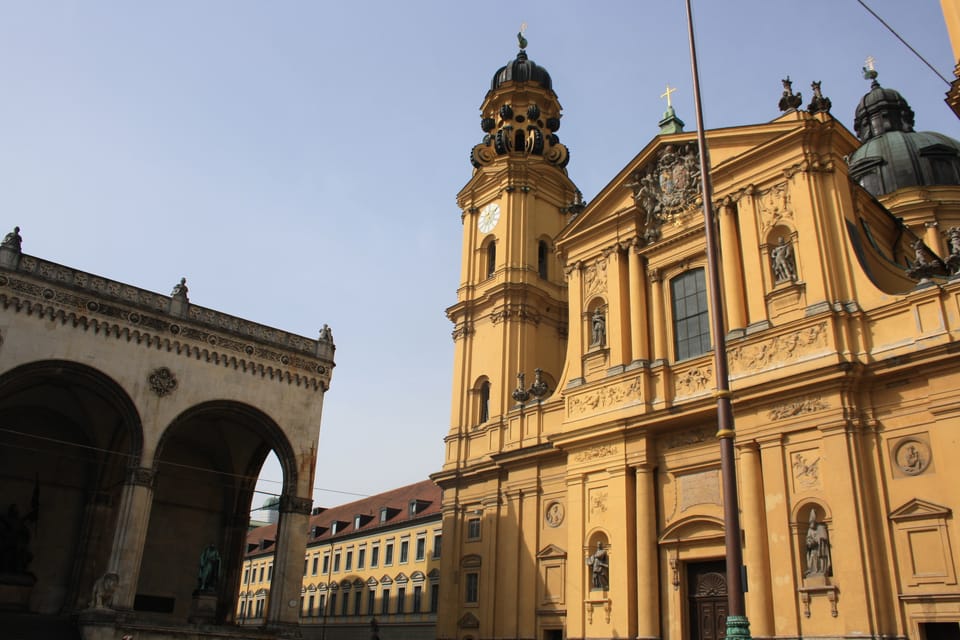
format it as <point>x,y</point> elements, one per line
<point>551,551</point>
<point>918,509</point>
<point>468,621</point>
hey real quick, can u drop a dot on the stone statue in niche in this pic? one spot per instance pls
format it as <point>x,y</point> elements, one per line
<point>953,260</point>
<point>599,564</point>
<point>818,548</point>
<point>598,332</point>
<point>209,572</point>
<point>783,263</point>
<point>103,590</point>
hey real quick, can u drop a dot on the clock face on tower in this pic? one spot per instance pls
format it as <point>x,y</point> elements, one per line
<point>489,215</point>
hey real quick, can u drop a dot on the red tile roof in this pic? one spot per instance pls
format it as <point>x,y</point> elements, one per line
<point>397,501</point>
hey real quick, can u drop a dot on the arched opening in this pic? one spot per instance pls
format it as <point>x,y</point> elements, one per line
<point>491,258</point>
<point>543,251</point>
<point>207,464</point>
<point>68,434</point>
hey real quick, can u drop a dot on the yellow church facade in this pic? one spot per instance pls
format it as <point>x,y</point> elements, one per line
<point>583,499</point>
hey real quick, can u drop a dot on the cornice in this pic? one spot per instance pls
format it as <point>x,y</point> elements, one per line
<point>105,307</point>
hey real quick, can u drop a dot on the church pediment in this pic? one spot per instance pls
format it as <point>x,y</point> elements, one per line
<point>918,509</point>
<point>551,551</point>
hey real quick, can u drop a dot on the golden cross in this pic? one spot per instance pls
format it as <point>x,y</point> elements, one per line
<point>666,94</point>
<point>523,27</point>
<point>869,61</point>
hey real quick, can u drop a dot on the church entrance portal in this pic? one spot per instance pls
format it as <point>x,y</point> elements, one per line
<point>707,600</point>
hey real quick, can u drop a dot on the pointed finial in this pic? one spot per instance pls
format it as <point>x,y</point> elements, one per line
<point>869,70</point>
<point>520,38</point>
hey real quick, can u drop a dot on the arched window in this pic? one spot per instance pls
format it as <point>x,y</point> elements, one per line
<point>491,258</point>
<point>691,319</point>
<point>484,402</point>
<point>542,259</point>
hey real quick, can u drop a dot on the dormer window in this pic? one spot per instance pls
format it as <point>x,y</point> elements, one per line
<point>416,506</point>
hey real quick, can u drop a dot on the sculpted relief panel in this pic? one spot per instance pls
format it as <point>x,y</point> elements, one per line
<point>783,348</point>
<point>607,397</point>
<point>774,206</point>
<point>595,279</point>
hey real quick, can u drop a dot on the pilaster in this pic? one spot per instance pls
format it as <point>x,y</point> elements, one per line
<point>133,518</point>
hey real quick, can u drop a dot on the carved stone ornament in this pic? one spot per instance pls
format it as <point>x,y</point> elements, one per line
<point>806,471</point>
<point>598,451</point>
<point>912,456</point>
<point>668,188</point>
<point>162,381</point>
<point>774,205</point>
<point>607,397</point>
<point>780,349</point>
<point>797,407</point>
<point>554,514</point>
<point>595,279</point>
<point>695,380</point>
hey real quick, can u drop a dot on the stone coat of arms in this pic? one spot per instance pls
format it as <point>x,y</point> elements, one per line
<point>668,187</point>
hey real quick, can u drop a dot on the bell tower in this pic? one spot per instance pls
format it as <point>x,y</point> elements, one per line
<point>510,315</point>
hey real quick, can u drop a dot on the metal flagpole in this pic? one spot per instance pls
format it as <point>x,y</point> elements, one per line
<point>738,627</point>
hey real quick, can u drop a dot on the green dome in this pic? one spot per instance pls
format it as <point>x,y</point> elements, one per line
<point>893,155</point>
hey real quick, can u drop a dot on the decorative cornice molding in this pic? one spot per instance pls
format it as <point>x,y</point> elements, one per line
<point>157,333</point>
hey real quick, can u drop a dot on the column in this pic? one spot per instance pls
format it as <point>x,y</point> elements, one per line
<point>639,332</point>
<point>756,549</point>
<point>648,586</point>
<point>659,316</point>
<point>133,519</point>
<point>752,264</point>
<point>932,238</point>
<point>618,336</point>
<point>284,604</point>
<point>573,372</point>
<point>733,283</point>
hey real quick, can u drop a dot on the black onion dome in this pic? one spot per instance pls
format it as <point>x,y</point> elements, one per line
<point>521,69</point>
<point>893,155</point>
<point>882,110</point>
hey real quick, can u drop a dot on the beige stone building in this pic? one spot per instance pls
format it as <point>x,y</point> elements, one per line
<point>588,504</point>
<point>372,559</point>
<point>134,425</point>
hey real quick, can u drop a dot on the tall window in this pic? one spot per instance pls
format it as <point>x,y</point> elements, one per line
<point>542,254</point>
<point>371,597</point>
<point>261,573</point>
<point>417,598</point>
<point>374,556</point>
<point>471,593</point>
<point>361,557</point>
<point>404,550</point>
<point>491,258</point>
<point>421,548</point>
<point>356,603</point>
<point>323,604</point>
<point>484,402</point>
<point>246,575</point>
<point>437,544</point>
<point>388,554</point>
<point>336,561</point>
<point>314,569</point>
<point>385,602</point>
<point>473,529</point>
<point>349,562</point>
<point>434,597</point>
<point>269,572</point>
<point>691,320</point>
<point>310,605</point>
<point>401,599</point>
<point>345,604</point>
<point>326,563</point>
<point>333,603</point>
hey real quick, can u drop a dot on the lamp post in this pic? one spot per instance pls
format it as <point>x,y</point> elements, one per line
<point>738,627</point>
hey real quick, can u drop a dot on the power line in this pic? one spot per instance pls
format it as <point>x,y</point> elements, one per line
<point>905,43</point>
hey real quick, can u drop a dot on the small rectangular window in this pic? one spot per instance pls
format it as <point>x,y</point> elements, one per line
<point>270,572</point>
<point>421,548</point>
<point>374,557</point>
<point>306,563</point>
<point>348,565</point>
<point>437,544</point>
<point>404,550</point>
<point>326,563</point>
<point>388,555</point>
<point>473,529</point>
<point>315,560</point>
<point>336,561</point>
<point>261,573</point>
<point>246,575</point>
<point>361,557</point>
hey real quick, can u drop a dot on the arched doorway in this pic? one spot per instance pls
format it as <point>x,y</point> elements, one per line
<point>206,465</point>
<point>68,434</point>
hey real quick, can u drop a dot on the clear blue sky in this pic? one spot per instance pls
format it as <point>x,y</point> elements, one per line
<point>298,161</point>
